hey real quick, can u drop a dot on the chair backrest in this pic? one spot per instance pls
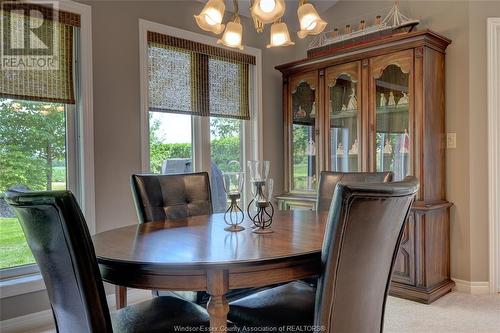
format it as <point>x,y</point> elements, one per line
<point>161,197</point>
<point>362,237</point>
<point>329,179</point>
<point>58,236</point>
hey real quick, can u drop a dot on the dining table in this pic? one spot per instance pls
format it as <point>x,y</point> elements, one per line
<point>196,254</point>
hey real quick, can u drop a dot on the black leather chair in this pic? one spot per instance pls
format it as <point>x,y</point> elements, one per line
<point>329,179</point>
<point>57,235</point>
<point>365,226</point>
<point>327,182</point>
<point>162,197</point>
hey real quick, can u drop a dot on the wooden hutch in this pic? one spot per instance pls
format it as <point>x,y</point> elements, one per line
<point>376,106</point>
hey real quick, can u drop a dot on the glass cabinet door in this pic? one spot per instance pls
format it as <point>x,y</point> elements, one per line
<point>343,104</point>
<point>392,106</point>
<point>303,136</point>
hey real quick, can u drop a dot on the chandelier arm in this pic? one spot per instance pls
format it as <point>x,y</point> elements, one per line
<point>236,8</point>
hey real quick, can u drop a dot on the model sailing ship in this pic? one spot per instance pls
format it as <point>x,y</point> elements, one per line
<point>394,22</point>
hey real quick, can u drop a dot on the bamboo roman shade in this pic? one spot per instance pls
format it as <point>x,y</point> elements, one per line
<point>198,79</point>
<point>37,57</point>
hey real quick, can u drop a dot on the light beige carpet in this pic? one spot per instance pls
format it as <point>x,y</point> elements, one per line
<point>455,312</point>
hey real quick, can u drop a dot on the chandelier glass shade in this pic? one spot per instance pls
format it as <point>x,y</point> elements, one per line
<point>210,18</point>
<point>233,34</point>
<point>280,35</point>
<point>268,11</point>
<point>310,21</point>
<point>263,12</point>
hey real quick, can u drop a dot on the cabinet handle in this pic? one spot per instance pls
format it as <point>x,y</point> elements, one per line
<point>316,131</point>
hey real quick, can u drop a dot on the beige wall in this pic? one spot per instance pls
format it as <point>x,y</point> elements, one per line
<point>117,105</point>
<point>478,13</point>
<point>465,23</point>
<point>117,98</point>
<point>117,143</point>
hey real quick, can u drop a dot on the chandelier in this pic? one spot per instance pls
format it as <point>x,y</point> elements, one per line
<point>263,12</point>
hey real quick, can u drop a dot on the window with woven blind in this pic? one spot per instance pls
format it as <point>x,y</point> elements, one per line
<point>44,114</point>
<point>193,78</point>
<point>187,78</point>
<point>37,53</point>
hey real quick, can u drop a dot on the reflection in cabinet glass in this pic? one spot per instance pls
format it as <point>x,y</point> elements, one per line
<point>304,146</point>
<point>392,121</point>
<point>343,111</point>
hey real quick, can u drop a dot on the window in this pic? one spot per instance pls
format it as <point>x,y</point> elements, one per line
<point>198,100</point>
<point>43,145</point>
<point>32,155</point>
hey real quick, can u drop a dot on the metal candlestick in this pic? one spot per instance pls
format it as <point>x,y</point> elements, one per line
<point>262,217</point>
<point>233,186</point>
<point>234,215</point>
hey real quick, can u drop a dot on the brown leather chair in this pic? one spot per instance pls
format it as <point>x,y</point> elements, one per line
<point>161,197</point>
<point>365,226</point>
<point>57,235</point>
<point>329,179</point>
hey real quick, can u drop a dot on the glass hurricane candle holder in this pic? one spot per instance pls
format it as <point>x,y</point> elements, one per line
<point>259,170</point>
<point>233,186</point>
<point>260,210</point>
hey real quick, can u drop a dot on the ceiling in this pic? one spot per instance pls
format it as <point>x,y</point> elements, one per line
<point>291,7</point>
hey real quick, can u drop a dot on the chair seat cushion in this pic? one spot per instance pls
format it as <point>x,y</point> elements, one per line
<point>159,315</point>
<point>291,304</point>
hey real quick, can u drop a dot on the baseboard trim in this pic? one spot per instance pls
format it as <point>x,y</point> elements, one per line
<point>32,322</point>
<point>472,287</point>
<point>418,294</point>
<point>43,320</point>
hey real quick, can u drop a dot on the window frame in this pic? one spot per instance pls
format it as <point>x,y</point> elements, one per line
<point>252,129</point>
<point>80,131</point>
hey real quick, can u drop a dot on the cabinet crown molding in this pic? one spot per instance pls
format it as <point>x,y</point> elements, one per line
<point>398,42</point>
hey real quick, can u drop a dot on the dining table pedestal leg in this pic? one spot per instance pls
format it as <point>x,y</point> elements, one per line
<point>218,306</point>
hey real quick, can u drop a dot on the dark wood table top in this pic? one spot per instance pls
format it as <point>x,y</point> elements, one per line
<point>202,242</point>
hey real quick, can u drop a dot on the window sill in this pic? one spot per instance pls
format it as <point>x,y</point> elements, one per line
<point>21,285</point>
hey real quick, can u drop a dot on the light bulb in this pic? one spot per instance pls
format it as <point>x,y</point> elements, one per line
<point>213,16</point>
<point>233,35</point>
<point>210,18</point>
<point>268,11</point>
<point>232,38</point>
<point>267,6</point>
<point>310,21</point>
<point>278,39</point>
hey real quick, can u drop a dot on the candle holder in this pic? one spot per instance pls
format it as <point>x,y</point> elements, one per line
<point>260,210</point>
<point>233,186</point>
<point>259,170</point>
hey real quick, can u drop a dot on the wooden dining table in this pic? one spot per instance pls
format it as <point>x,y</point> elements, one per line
<point>197,254</point>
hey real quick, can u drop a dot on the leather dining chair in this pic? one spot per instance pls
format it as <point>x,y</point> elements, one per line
<point>364,229</point>
<point>327,182</point>
<point>162,197</point>
<point>57,234</point>
<point>329,179</point>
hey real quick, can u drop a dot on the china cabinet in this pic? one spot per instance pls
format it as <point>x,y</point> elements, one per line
<point>376,106</point>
